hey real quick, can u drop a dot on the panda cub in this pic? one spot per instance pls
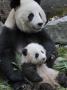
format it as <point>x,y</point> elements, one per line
<point>35,54</point>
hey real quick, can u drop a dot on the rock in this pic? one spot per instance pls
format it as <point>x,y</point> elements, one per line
<point>4,9</point>
<point>58,32</point>
<point>54,7</point>
<point>1,23</point>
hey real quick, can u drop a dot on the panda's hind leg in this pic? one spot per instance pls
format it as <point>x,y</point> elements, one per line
<point>62,79</point>
<point>45,86</point>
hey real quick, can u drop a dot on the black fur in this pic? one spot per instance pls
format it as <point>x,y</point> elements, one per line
<point>30,17</point>
<point>62,80</point>
<point>7,57</point>
<point>45,86</point>
<point>36,55</point>
<point>14,3</point>
<point>17,86</point>
<point>38,1</point>
<point>29,71</point>
<point>24,52</point>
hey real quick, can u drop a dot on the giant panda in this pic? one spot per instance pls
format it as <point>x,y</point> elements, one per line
<point>24,25</point>
<point>35,55</point>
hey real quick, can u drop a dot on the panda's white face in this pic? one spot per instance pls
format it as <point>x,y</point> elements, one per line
<point>33,53</point>
<point>30,16</point>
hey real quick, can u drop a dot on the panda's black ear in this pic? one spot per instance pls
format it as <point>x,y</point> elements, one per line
<point>38,1</point>
<point>14,3</point>
<point>24,52</point>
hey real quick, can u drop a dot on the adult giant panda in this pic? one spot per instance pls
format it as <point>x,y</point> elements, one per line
<point>31,21</point>
<point>23,26</point>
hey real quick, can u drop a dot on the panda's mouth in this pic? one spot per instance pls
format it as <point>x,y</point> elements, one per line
<point>41,62</point>
<point>37,29</point>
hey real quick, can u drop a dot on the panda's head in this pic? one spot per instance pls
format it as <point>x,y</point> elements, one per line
<point>33,53</point>
<point>29,15</point>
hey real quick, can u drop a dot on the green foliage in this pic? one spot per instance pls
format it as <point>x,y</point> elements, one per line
<point>4,87</point>
<point>62,52</point>
<point>61,64</point>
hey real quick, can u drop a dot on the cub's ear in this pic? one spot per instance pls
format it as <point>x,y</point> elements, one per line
<point>24,52</point>
<point>14,3</point>
<point>38,1</point>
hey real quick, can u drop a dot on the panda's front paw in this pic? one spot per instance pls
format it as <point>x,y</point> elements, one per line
<point>29,70</point>
<point>45,86</point>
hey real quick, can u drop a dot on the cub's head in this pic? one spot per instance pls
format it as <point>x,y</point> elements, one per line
<point>33,53</point>
<point>29,15</point>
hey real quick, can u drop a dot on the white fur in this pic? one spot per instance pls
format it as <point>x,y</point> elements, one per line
<point>48,75</point>
<point>10,22</point>
<point>21,16</point>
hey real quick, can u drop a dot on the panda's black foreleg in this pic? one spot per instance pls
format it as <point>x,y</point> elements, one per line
<point>7,56</point>
<point>12,74</point>
<point>45,86</point>
<point>30,72</point>
<point>51,53</point>
<point>49,45</point>
<point>62,79</point>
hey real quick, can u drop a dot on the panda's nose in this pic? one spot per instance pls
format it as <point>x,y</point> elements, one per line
<point>40,24</point>
<point>44,59</point>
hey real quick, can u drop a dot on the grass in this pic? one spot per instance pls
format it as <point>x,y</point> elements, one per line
<point>62,62</point>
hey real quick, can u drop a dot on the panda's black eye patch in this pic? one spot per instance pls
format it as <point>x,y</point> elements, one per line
<point>36,55</point>
<point>24,52</point>
<point>30,17</point>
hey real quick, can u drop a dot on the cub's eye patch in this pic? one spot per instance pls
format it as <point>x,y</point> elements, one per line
<point>24,52</point>
<point>30,17</point>
<point>42,51</point>
<point>36,55</point>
